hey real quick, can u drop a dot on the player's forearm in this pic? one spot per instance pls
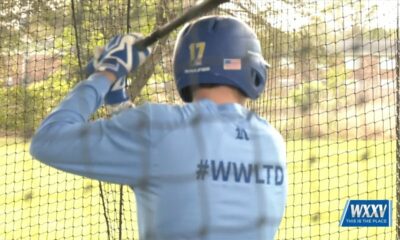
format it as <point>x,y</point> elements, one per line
<point>81,102</point>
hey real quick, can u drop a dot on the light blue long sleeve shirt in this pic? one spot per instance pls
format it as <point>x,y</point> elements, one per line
<point>199,171</point>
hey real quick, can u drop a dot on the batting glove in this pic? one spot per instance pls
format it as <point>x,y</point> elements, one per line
<point>119,56</point>
<point>117,93</point>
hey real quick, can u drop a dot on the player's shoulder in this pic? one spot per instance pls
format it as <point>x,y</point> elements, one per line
<point>204,108</point>
<point>168,113</point>
<point>266,128</point>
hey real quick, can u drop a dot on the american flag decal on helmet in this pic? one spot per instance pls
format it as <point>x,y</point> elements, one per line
<point>232,64</point>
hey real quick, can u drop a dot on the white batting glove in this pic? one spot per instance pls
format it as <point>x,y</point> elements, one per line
<point>119,57</point>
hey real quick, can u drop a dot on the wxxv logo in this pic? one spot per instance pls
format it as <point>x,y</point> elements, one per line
<point>367,213</point>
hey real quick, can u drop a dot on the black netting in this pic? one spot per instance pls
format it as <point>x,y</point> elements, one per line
<point>332,93</point>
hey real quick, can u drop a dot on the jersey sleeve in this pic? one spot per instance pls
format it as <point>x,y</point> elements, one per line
<point>113,150</point>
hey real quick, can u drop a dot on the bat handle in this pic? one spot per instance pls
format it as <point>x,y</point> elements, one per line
<point>143,43</point>
<point>116,108</point>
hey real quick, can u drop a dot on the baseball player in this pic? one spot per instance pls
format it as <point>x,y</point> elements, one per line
<point>210,169</point>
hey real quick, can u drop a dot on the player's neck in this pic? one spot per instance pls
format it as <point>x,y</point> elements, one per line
<point>219,95</point>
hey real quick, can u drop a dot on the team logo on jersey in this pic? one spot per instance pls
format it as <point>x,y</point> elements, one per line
<point>241,134</point>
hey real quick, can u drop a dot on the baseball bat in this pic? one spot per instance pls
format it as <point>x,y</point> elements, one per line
<point>187,16</point>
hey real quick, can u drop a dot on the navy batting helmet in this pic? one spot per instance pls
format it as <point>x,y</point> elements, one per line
<point>218,50</point>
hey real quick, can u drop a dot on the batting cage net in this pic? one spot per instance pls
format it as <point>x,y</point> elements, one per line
<point>332,93</point>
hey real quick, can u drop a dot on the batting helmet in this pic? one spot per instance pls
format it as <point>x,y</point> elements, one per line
<point>219,50</point>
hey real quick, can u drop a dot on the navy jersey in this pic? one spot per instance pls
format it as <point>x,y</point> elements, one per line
<point>199,171</point>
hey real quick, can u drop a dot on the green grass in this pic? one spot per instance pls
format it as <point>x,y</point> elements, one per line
<point>323,175</point>
<point>39,202</point>
<point>42,203</point>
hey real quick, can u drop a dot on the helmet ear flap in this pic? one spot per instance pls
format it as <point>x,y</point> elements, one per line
<point>187,94</point>
<point>256,77</point>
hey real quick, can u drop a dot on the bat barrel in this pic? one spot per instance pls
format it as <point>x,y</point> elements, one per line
<point>189,15</point>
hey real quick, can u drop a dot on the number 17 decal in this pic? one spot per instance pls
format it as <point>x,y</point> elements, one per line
<point>197,53</point>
